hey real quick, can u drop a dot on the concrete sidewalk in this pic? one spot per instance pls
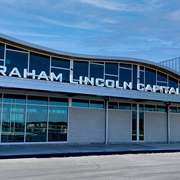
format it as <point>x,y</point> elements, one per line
<point>64,150</point>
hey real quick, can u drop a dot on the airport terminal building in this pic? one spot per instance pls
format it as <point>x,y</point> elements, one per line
<point>50,96</point>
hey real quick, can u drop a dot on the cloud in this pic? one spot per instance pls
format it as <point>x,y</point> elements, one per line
<point>175,15</point>
<point>4,31</point>
<point>102,4</point>
<point>125,6</point>
<point>79,25</point>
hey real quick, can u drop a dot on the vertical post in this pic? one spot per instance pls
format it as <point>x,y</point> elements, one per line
<point>168,123</point>
<point>137,131</point>
<point>106,122</point>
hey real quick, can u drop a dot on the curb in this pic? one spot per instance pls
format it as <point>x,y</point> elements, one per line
<point>79,154</point>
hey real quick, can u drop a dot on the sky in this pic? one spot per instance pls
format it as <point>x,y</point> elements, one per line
<point>145,29</point>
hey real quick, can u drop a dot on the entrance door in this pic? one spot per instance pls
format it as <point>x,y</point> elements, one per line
<point>137,122</point>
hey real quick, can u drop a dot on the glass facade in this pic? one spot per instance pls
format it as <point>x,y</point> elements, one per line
<point>11,57</point>
<point>33,118</point>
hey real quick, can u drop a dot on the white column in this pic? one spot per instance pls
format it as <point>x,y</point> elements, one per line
<point>106,123</point>
<point>168,124</point>
<point>137,122</point>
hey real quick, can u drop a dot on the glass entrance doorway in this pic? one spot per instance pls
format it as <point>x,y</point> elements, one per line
<point>137,122</point>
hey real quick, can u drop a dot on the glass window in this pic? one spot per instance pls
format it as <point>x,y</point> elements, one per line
<point>1,63</point>
<point>124,75</point>
<point>141,68</point>
<point>173,82</point>
<point>129,66</point>
<point>111,68</point>
<point>134,125</point>
<point>173,109</point>
<point>80,103</point>
<point>150,76</point>
<point>141,126</point>
<point>1,51</point>
<point>115,78</point>
<point>162,84</point>
<point>57,125</point>
<point>58,102</point>
<point>141,107</point>
<point>36,125</point>
<point>113,105</point>
<point>97,71</point>
<point>39,63</point>
<point>125,106</point>
<point>12,98</point>
<point>134,107</point>
<point>149,108</point>
<point>37,100</point>
<point>161,77</point>
<point>62,63</point>
<point>13,123</point>
<point>80,68</point>
<point>15,48</point>
<point>16,59</point>
<point>64,72</point>
<point>135,80</point>
<point>161,108</point>
<point>97,104</point>
<point>0,98</point>
<point>141,76</point>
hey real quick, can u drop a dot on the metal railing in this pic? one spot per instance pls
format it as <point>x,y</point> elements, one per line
<point>172,64</point>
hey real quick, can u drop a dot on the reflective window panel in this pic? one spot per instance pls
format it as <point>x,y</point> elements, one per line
<point>57,125</point>
<point>125,106</point>
<point>61,63</point>
<point>36,124</point>
<point>37,100</point>
<point>173,109</point>
<point>113,105</point>
<point>173,82</point>
<point>150,76</point>
<point>58,102</point>
<point>15,48</point>
<point>134,125</point>
<point>161,108</point>
<point>150,108</point>
<point>80,103</point>
<point>128,66</point>
<point>97,104</point>
<point>80,69</point>
<point>13,123</point>
<point>115,78</point>
<point>14,98</point>
<point>64,72</point>
<point>161,77</point>
<point>111,68</point>
<point>1,51</point>
<point>124,75</point>
<point>135,80</point>
<point>39,63</point>
<point>97,71</point>
<point>16,59</point>
<point>141,126</point>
